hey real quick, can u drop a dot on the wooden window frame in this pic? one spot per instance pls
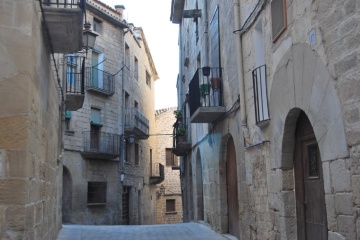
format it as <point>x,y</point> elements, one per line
<point>275,38</point>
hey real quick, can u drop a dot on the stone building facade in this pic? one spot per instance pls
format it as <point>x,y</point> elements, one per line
<point>279,139</point>
<point>107,149</point>
<point>168,192</point>
<point>30,115</point>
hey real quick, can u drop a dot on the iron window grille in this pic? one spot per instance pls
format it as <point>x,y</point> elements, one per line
<point>96,193</point>
<point>260,94</point>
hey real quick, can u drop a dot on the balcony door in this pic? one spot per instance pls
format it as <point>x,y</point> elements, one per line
<point>94,137</point>
<point>97,69</point>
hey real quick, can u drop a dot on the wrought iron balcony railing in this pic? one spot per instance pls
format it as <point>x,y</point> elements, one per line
<point>74,81</point>
<point>260,94</point>
<point>64,3</point>
<point>157,173</point>
<point>180,143</point>
<point>99,81</point>
<point>205,95</point>
<point>136,124</point>
<point>101,145</point>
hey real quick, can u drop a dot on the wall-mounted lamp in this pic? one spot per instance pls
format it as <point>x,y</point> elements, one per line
<point>88,37</point>
<point>161,191</point>
<point>131,139</point>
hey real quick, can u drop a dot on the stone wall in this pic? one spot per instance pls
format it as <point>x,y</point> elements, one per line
<point>164,140</point>
<point>29,127</point>
<point>319,77</point>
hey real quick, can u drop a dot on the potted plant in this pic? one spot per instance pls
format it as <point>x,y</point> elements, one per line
<point>215,82</point>
<point>178,115</point>
<point>204,89</point>
<point>180,134</point>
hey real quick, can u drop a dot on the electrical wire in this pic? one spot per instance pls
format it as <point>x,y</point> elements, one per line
<point>245,28</point>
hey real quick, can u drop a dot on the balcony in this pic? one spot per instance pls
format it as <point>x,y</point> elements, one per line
<point>260,96</point>
<point>99,81</point>
<point>205,95</point>
<point>180,144</point>
<point>64,19</point>
<point>74,84</point>
<point>101,146</point>
<point>136,124</point>
<point>157,174</point>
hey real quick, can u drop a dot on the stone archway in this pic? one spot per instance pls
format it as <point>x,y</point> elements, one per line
<point>301,81</point>
<point>199,199</point>
<point>66,196</point>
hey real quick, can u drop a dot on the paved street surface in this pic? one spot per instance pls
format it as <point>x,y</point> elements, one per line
<point>182,231</point>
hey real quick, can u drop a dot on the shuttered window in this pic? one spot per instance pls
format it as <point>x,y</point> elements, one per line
<point>169,157</point>
<point>170,205</point>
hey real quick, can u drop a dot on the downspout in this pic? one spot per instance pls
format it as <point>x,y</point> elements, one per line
<point>206,35</point>
<point>240,71</point>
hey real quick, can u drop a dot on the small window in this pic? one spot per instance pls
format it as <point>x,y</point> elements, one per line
<point>127,151</point>
<point>170,205</point>
<point>169,157</point>
<point>95,117</point>
<point>148,79</point>
<point>136,154</point>
<point>97,25</point>
<point>96,193</point>
<point>278,18</point>
<point>136,68</point>
<point>127,55</point>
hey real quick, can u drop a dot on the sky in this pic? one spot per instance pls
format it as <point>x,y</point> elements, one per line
<point>162,37</point>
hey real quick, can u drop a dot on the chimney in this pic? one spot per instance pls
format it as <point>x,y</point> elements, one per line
<point>120,9</point>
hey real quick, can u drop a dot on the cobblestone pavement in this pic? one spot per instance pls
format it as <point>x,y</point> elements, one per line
<point>181,231</point>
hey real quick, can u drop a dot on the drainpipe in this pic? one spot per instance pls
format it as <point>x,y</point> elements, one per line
<point>240,70</point>
<point>206,35</point>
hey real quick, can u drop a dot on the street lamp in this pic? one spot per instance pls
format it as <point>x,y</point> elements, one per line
<point>88,37</point>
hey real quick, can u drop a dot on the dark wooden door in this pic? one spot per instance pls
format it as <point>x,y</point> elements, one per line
<point>232,190</point>
<point>309,184</point>
<point>94,137</point>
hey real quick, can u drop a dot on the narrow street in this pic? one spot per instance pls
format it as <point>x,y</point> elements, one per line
<point>188,231</point>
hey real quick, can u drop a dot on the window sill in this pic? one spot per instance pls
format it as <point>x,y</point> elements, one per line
<point>69,132</point>
<point>96,204</point>
<point>171,213</point>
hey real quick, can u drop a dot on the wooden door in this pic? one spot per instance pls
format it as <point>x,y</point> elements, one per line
<point>94,137</point>
<point>232,189</point>
<point>309,184</point>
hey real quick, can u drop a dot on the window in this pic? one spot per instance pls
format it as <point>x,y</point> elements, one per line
<point>127,55</point>
<point>169,157</point>
<point>136,68</point>
<point>96,193</point>
<point>148,79</point>
<point>97,70</point>
<point>97,25</point>
<point>136,154</point>
<point>95,125</point>
<point>170,205</point>
<point>67,120</point>
<point>215,40</point>
<point>196,26</point>
<point>127,151</point>
<point>278,18</point>
<point>71,73</point>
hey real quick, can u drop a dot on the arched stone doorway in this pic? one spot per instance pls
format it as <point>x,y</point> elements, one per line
<point>199,189</point>
<point>302,82</point>
<point>66,196</point>
<point>309,183</point>
<point>232,189</point>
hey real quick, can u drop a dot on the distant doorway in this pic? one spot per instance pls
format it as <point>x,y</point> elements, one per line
<point>66,196</point>
<point>199,189</point>
<point>232,189</point>
<point>309,183</point>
